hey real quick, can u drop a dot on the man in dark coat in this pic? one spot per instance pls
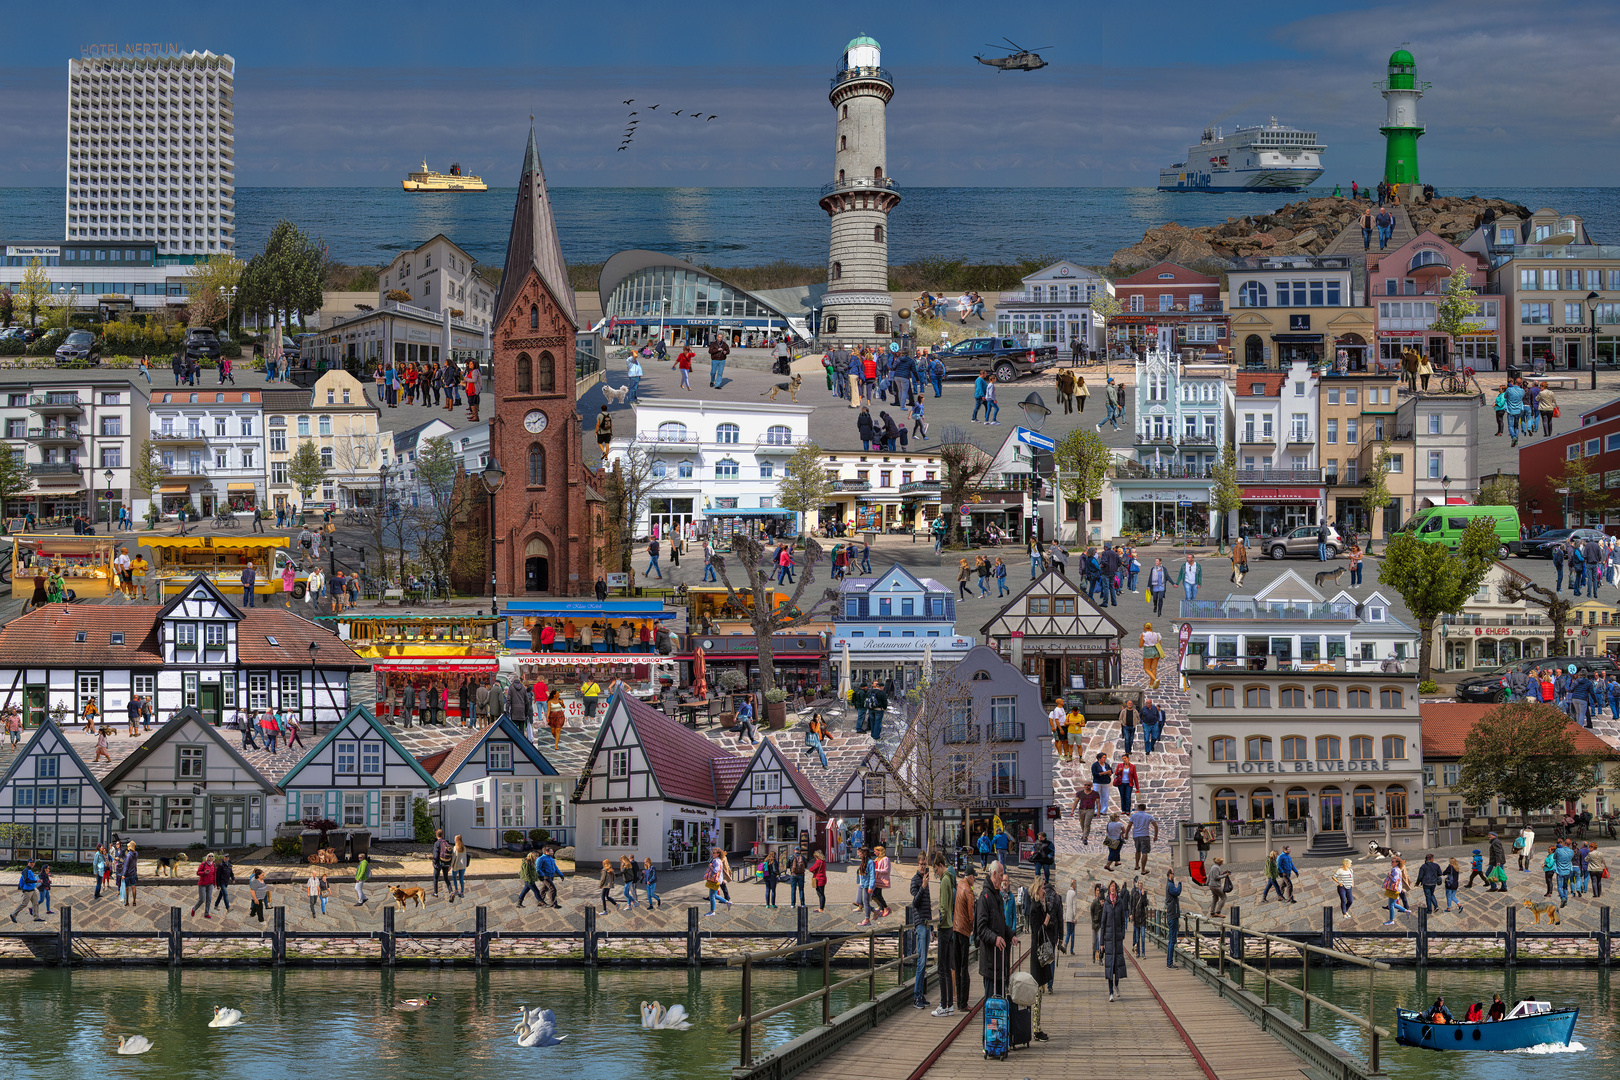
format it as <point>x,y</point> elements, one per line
<point>866,429</point>
<point>1172,915</point>
<point>991,932</point>
<point>408,705</point>
<point>1139,914</point>
<point>520,705</point>
<point>1116,917</point>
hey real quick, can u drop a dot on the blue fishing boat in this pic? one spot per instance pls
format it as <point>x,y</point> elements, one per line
<point>1531,1023</point>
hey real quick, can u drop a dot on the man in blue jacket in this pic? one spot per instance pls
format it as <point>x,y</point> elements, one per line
<point>29,884</point>
<point>1286,873</point>
<point>546,868</point>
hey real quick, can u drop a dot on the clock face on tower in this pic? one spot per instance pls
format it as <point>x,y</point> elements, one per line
<point>534,421</point>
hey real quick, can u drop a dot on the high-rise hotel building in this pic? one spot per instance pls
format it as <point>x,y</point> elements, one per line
<point>151,150</point>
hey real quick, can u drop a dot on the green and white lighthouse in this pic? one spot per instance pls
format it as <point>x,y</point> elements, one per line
<point>1401,128</point>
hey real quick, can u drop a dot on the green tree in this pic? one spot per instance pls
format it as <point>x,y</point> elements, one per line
<point>1378,496</point>
<point>285,279</point>
<point>208,283</point>
<point>1082,461</point>
<point>1225,494</point>
<point>1104,306</point>
<point>1434,581</point>
<point>32,291</point>
<point>1584,491</point>
<point>146,470</point>
<point>14,478</point>
<point>305,470</point>
<point>1456,312</point>
<point>8,306</point>
<point>1525,755</point>
<point>1498,490</point>
<point>805,485</point>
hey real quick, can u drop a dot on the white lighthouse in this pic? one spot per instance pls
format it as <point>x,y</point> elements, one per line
<point>857,307</point>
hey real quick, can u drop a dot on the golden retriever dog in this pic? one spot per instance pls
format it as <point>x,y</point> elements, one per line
<point>411,893</point>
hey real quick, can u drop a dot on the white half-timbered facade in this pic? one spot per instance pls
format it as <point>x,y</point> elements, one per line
<point>650,789</point>
<point>496,780</point>
<point>198,651</point>
<point>359,776</point>
<point>51,806</point>
<point>870,799</point>
<point>1051,631</point>
<point>186,784</point>
<point>774,803</point>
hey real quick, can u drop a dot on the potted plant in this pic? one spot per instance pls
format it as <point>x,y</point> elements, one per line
<point>538,837</point>
<point>776,708</point>
<point>513,839</point>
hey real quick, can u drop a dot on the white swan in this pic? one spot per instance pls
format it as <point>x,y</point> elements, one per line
<point>538,1029</point>
<point>225,1017</point>
<point>672,1019</point>
<point>134,1044</point>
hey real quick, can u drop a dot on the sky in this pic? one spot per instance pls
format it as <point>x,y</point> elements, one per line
<point>349,94</point>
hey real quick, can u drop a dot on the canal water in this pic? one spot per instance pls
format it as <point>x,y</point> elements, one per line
<point>342,1025</point>
<point>1408,989</point>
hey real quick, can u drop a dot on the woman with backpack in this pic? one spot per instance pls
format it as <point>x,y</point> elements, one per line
<point>1394,885</point>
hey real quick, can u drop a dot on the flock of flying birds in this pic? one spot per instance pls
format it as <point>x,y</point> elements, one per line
<point>634,118</point>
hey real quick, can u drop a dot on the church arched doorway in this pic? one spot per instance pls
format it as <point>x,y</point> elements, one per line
<point>536,566</point>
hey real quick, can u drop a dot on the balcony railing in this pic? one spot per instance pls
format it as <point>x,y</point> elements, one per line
<point>53,468</point>
<point>914,487</point>
<point>768,445</point>
<point>852,485</point>
<point>1007,731</point>
<point>1300,435</point>
<point>859,183</point>
<point>184,468</point>
<point>174,438</point>
<point>999,787</point>
<point>1239,608</point>
<point>55,403</point>
<point>70,433</point>
<point>1279,476</point>
<point>850,74</point>
<point>956,734</point>
<point>1137,470</point>
<point>1254,438</point>
<point>656,438</point>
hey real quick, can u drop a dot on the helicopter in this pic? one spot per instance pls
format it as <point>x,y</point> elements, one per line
<point>1020,58</point>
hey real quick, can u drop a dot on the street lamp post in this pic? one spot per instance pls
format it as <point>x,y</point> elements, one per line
<point>314,713</point>
<point>493,478</point>
<point>1445,490</point>
<point>1592,299</point>
<point>108,500</point>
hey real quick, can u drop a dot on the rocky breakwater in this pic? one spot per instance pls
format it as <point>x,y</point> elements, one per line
<point>1302,228</point>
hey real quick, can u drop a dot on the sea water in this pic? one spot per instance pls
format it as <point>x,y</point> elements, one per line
<point>754,226</point>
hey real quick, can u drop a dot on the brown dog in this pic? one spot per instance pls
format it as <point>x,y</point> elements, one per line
<point>412,893</point>
<point>1543,908</point>
<point>791,386</point>
<point>171,863</point>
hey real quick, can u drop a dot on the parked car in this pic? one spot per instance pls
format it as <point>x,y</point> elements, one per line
<point>1300,541</point>
<point>1540,547</point>
<point>80,345</point>
<point>202,343</point>
<point>1006,357</point>
<point>1487,685</point>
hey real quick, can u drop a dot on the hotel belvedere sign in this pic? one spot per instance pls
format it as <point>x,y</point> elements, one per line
<point>1370,765</point>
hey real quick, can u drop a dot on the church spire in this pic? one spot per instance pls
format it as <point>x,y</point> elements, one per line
<point>534,242</point>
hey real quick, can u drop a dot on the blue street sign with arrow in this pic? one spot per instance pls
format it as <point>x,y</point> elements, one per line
<point>1035,439</point>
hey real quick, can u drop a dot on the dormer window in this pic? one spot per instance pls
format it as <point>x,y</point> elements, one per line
<point>78,637</point>
<point>115,638</point>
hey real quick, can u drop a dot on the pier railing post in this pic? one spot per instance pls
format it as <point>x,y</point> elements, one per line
<point>590,937</point>
<point>480,935</point>
<point>801,932</point>
<point>1510,939</point>
<point>1603,935</point>
<point>1327,926</point>
<point>826,984</point>
<point>747,1054</point>
<point>1236,923</point>
<point>278,934</point>
<point>694,942</point>
<point>1423,935</point>
<point>64,935</point>
<point>1268,971</point>
<point>388,943</point>
<point>176,942</point>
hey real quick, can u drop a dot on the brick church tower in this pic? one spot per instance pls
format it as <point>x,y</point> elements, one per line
<point>547,510</point>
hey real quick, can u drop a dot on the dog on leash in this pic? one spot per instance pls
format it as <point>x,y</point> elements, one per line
<point>1543,907</point>
<point>1375,850</point>
<point>615,395</point>
<point>791,386</point>
<point>172,863</point>
<point>1329,575</point>
<point>411,893</point>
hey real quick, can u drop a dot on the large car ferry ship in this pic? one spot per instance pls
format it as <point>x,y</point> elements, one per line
<point>428,180</point>
<point>1264,157</point>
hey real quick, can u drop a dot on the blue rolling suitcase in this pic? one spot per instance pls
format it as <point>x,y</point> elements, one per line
<point>997,1027</point>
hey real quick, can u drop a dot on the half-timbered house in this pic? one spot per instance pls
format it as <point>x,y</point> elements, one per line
<point>198,651</point>
<point>874,801</point>
<point>1052,632</point>
<point>774,804</point>
<point>496,780</point>
<point>51,806</point>
<point>359,776</point>
<point>186,784</point>
<point>650,789</point>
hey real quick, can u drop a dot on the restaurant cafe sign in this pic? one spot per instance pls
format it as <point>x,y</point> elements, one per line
<point>910,644</point>
<point>1369,765</point>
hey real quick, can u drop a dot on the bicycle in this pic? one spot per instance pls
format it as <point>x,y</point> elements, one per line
<point>225,521</point>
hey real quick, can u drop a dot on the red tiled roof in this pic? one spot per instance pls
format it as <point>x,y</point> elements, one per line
<point>435,761</point>
<point>684,763</point>
<point>46,636</point>
<point>293,636</point>
<point>1446,725</point>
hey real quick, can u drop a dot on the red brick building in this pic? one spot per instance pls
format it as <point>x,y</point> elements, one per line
<point>1170,295</point>
<point>1594,438</point>
<point>547,510</point>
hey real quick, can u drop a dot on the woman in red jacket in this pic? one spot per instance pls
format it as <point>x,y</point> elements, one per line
<point>684,363</point>
<point>206,876</point>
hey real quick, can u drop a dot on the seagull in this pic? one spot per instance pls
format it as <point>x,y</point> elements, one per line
<point>628,100</point>
<point>710,118</point>
<point>632,112</point>
<point>677,112</point>
<point>655,106</point>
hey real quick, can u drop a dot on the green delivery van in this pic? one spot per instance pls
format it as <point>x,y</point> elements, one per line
<point>1445,525</point>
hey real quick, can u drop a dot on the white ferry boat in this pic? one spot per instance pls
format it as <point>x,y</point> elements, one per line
<point>1264,157</point>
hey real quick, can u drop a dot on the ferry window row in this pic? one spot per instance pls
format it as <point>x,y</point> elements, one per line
<point>1223,749</point>
<point>1294,697</point>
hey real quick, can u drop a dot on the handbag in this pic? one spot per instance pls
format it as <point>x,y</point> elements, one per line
<point>1043,952</point>
<point>1555,412</point>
